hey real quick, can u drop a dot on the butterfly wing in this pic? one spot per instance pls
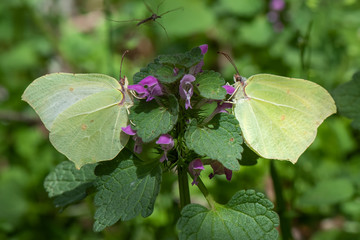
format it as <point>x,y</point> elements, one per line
<point>90,130</point>
<point>83,112</point>
<point>279,116</point>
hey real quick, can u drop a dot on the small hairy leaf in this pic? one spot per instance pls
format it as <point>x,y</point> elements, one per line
<point>126,188</point>
<point>347,99</point>
<point>180,60</point>
<point>151,119</point>
<point>209,84</point>
<point>220,140</point>
<point>248,215</point>
<point>164,73</point>
<point>68,184</point>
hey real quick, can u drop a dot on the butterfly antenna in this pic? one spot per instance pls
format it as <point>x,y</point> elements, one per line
<point>122,59</point>
<point>230,60</point>
<point>175,9</point>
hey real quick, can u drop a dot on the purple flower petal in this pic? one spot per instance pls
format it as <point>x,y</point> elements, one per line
<point>139,89</point>
<point>204,48</point>
<point>221,107</point>
<point>167,143</point>
<point>165,139</point>
<point>164,157</point>
<point>277,5</point>
<point>154,90</point>
<point>148,88</point>
<point>229,89</point>
<point>149,81</point>
<point>138,144</point>
<point>273,16</point>
<point>219,169</point>
<point>197,68</point>
<point>228,173</point>
<point>128,130</point>
<point>186,89</point>
<point>195,167</point>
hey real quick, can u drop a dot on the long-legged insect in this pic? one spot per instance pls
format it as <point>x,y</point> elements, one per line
<point>153,17</point>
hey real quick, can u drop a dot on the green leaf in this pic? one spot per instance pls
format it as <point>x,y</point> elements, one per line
<point>248,215</point>
<point>220,140</point>
<point>180,60</point>
<point>347,99</point>
<point>127,187</point>
<point>209,84</point>
<point>330,191</point>
<point>68,184</point>
<point>151,120</point>
<point>164,73</point>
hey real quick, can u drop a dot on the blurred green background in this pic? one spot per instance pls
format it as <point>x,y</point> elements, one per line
<point>317,40</point>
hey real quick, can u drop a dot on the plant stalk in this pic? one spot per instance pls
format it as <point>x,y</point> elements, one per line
<point>183,187</point>
<point>285,226</point>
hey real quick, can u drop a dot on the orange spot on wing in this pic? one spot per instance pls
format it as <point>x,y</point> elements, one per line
<point>83,126</point>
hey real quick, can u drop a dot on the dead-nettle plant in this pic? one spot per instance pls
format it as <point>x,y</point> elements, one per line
<point>195,119</point>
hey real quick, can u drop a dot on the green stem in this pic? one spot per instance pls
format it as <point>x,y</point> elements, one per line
<point>285,225</point>
<point>183,187</point>
<point>206,193</point>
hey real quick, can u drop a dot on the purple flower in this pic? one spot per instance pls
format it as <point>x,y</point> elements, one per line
<point>219,169</point>
<point>176,71</point>
<point>147,88</point>
<point>221,107</point>
<point>138,144</point>
<point>167,143</point>
<point>198,67</point>
<point>128,130</point>
<point>229,89</point>
<point>277,5</point>
<point>186,89</point>
<point>204,48</point>
<point>138,141</point>
<point>195,167</point>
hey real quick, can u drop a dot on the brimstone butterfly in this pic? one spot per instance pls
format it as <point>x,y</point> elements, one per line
<point>83,112</point>
<point>279,116</point>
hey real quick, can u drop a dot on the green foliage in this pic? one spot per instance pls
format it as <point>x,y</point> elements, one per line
<point>329,191</point>
<point>209,84</point>
<point>164,73</point>
<point>153,118</point>
<point>67,185</point>
<point>219,139</point>
<point>248,215</point>
<point>126,187</point>
<point>347,98</point>
<point>318,42</point>
<point>180,60</point>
